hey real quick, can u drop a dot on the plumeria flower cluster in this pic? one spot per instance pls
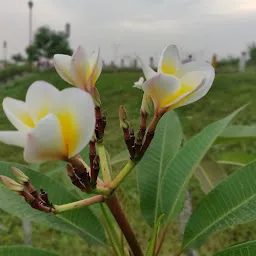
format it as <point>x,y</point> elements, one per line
<point>173,85</point>
<point>57,125</point>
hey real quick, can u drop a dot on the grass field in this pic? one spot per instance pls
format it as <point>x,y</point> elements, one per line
<point>229,92</point>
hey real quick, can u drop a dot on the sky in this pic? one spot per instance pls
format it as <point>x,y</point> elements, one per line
<point>122,28</point>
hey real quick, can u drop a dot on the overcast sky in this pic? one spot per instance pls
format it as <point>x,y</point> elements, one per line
<point>123,27</point>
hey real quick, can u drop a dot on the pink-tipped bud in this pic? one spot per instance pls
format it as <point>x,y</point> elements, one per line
<point>11,184</point>
<point>123,118</point>
<point>146,105</point>
<point>22,178</point>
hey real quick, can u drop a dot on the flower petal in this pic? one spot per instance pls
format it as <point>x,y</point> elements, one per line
<point>170,60</point>
<point>194,66</point>
<point>147,70</point>
<point>77,117</point>
<point>162,89</point>
<point>62,65</point>
<point>96,65</point>
<point>205,85</point>
<point>40,99</point>
<point>18,114</point>
<point>80,68</point>
<point>45,142</point>
<point>138,84</point>
<point>15,138</point>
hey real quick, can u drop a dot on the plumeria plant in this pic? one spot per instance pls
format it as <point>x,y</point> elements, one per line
<point>57,125</point>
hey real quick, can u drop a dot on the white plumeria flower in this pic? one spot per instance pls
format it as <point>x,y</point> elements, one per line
<point>174,84</point>
<point>79,69</point>
<point>139,83</point>
<point>51,124</point>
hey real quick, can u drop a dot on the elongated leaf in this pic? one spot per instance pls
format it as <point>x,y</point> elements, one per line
<point>150,171</point>
<point>152,244</point>
<point>209,175</point>
<point>240,158</point>
<point>243,249</point>
<point>234,133</point>
<point>121,157</point>
<point>82,222</point>
<point>24,251</point>
<point>181,168</point>
<point>232,202</point>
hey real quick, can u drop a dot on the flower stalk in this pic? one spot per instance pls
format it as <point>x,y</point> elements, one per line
<point>79,204</point>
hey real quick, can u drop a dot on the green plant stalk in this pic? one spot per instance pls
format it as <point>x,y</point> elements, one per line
<point>79,204</point>
<point>112,233</point>
<point>102,191</point>
<point>104,163</point>
<point>122,175</point>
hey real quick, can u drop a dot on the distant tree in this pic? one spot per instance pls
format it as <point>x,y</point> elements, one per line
<point>47,42</point>
<point>18,58</point>
<point>252,53</point>
<point>32,53</point>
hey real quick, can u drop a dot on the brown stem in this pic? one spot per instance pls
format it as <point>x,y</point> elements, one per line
<point>143,123</point>
<point>150,133</point>
<point>116,210</point>
<point>161,240</point>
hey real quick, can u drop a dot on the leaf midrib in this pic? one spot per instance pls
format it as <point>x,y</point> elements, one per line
<point>80,229</point>
<point>222,217</point>
<point>206,177</point>
<point>194,166</point>
<point>160,172</point>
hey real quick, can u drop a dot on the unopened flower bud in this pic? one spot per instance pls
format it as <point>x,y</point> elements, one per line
<point>11,184</point>
<point>124,122</point>
<point>22,178</point>
<point>96,97</point>
<point>146,105</point>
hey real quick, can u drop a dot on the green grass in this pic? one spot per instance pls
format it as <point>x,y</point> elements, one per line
<point>229,92</point>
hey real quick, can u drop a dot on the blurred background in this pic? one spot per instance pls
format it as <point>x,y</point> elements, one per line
<point>221,32</point>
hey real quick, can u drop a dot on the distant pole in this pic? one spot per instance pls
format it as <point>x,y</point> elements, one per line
<point>30,6</point>
<point>116,48</point>
<point>67,30</point>
<point>242,62</point>
<point>151,62</point>
<point>5,52</point>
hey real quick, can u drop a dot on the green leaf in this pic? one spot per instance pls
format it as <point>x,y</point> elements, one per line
<point>82,222</point>
<point>235,133</point>
<point>243,249</point>
<point>121,157</point>
<point>240,158</point>
<point>209,175</point>
<point>24,251</point>
<point>152,244</point>
<point>181,168</point>
<point>3,228</point>
<point>232,202</point>
<point>165,145</point>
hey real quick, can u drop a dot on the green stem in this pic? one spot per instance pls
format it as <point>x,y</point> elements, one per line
<point>122,175</point>
<point>104,163</point>
<point>79,204</point>
<point>102,191</point>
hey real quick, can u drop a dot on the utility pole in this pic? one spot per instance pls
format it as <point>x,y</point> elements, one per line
<point>30,6</point>
<point>5,52</point>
